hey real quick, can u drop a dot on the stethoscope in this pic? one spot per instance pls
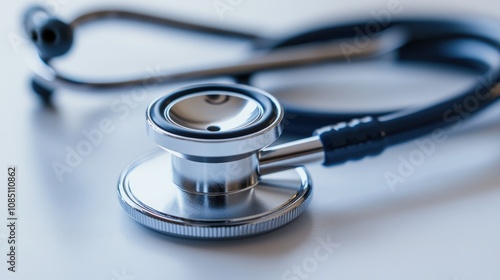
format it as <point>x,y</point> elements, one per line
<point>219,178</point>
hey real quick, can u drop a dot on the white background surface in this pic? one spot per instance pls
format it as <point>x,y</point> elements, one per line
<point>441,223</point>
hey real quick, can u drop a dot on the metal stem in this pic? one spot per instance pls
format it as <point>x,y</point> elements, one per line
<point>161,20</point>
<point>295,56</point>
<point>291,154</point>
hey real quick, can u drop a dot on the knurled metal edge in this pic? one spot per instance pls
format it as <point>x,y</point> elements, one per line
<point>219,231</point>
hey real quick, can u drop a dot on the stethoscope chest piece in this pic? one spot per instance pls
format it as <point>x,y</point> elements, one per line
<point>208,183</point>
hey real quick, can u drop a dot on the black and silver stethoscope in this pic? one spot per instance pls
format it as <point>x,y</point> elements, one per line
<point>219,178</point>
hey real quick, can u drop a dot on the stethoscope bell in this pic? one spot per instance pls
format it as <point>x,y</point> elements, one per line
<point>209,183</point>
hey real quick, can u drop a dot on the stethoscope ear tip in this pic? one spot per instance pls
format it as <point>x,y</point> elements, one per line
<point>51,36</point>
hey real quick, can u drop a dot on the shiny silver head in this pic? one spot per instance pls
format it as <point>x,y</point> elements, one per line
<point>213,123</point>
<point>210,185</point>
<point>215,133</point>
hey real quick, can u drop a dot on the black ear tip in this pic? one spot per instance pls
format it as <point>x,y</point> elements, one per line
<point>56,38</point>
<point>50,35</point>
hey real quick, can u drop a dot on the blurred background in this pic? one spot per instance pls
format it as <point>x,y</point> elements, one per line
<point>440,222</point>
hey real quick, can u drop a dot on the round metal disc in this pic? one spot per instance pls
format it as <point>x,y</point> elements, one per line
<point>147,194</point>
<point>214,111</point>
